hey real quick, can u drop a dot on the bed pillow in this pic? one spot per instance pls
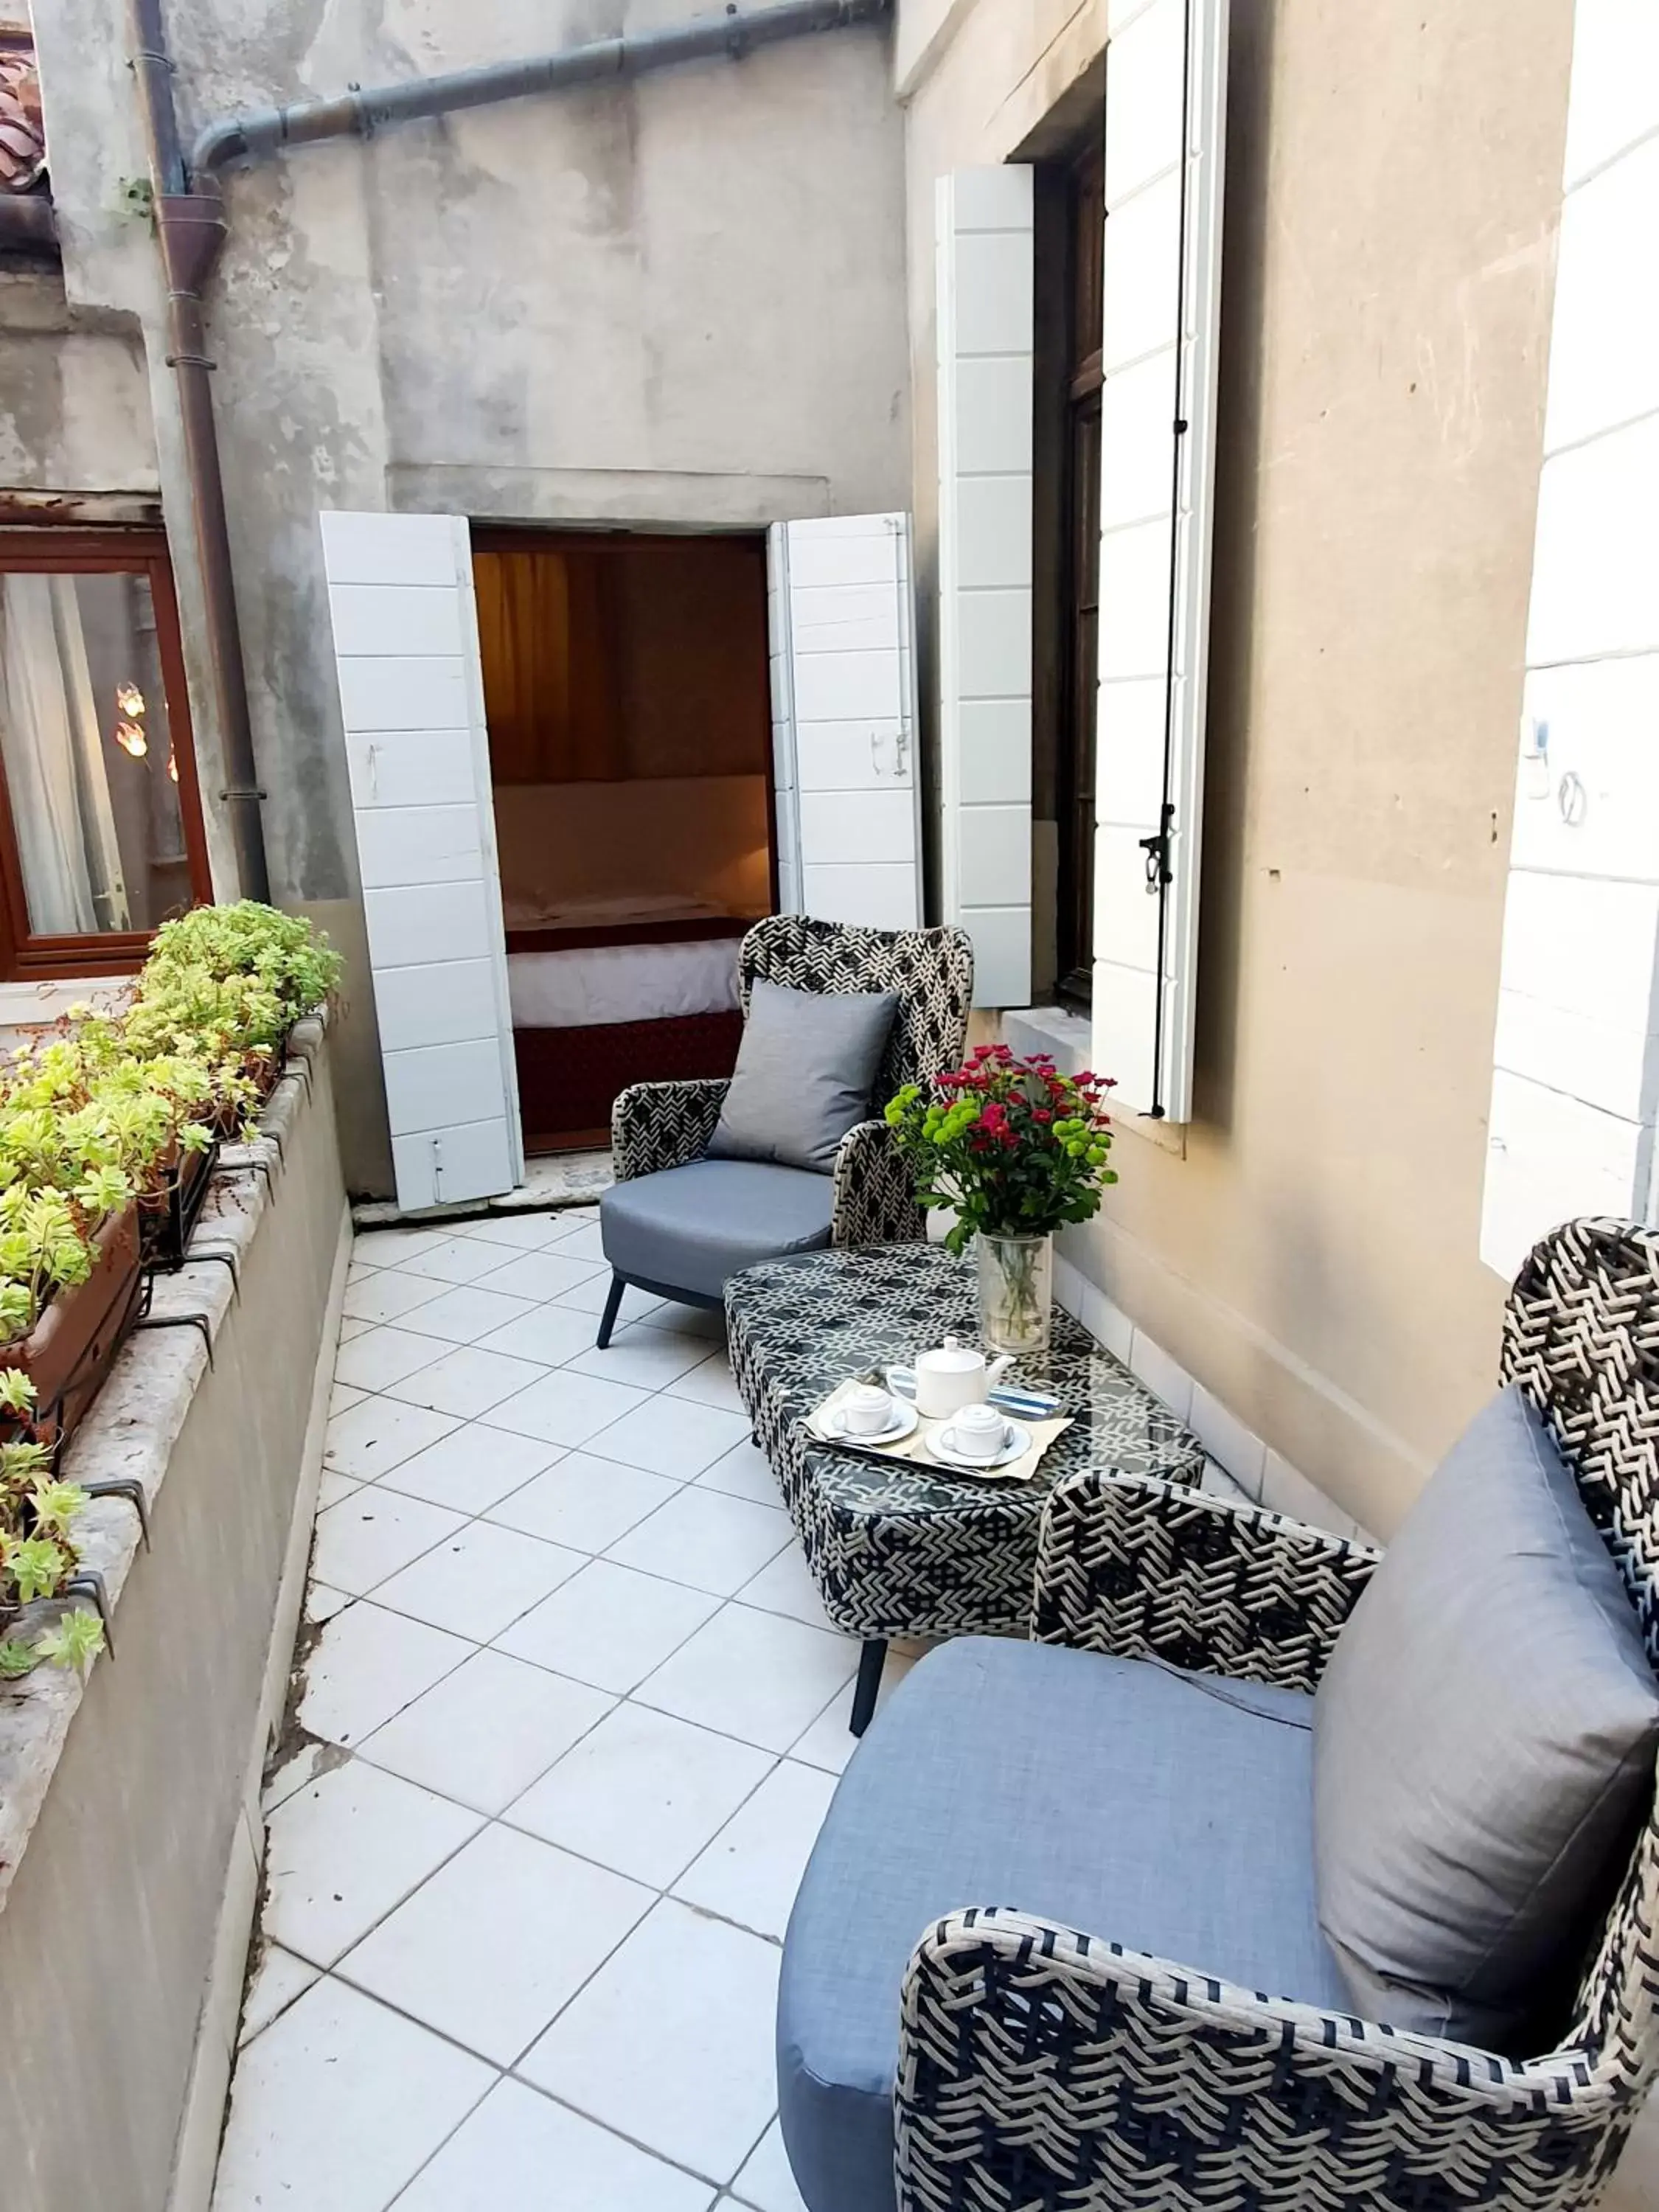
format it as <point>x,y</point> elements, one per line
<point>804,1069</point>
<point>1484,1745</point>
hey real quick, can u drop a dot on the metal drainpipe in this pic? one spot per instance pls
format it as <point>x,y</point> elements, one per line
<point>190,223</point>
<point>266,130</point>
<point>191,230</point>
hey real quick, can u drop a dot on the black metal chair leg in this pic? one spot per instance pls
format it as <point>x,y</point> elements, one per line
<point>608,1318</point>
<point>871,1660</point>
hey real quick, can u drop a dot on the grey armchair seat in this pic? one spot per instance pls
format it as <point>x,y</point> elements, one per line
<point>676,1224</point>
<point>1025,1968</point>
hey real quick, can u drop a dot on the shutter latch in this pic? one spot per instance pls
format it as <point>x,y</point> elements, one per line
<point>1157,849</point>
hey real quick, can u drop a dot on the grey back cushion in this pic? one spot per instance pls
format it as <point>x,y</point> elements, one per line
<point>1484,1747</point>
<point>804,1070</point>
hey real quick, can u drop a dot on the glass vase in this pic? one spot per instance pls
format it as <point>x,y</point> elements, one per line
<point>1016,1291</point>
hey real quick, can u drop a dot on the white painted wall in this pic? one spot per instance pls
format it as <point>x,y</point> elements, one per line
<point>1576,1058</point>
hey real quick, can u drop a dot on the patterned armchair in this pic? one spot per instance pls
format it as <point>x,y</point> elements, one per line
<point>1042,2068</point>
<point>660,1126</point>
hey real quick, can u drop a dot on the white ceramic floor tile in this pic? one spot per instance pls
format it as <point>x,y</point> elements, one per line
<point>466,1314</point>
<point>829,1742</point>
<point>751,1870</point>
<point>673,2040</point>
<point>583,1244</point>
<point>608,1625</point>
<point>342,1397</point>
<point>785,1585</point>
<point>338,2105</point>
<point>350,1329</point>
<point>381,1356</point>
<point>390,1247</point>
<point>473,1469</point>
<point>456,1259</point>
<point>519,2149</point>
<point>369,1536</point>
<point>709,1382</point>
<point>755,1675</point>
<point>322,1603</point>
<point>766,2182</point>
<point>387,1294</point>
<point>485,1733</point>
<point>566,1409</point>
<point>333,1487</point>
<point>465,1380</point>
<point>647,1358</point>
<point>279,1978</point>
<point>369,1664</point>
<point>378,1435</point>
<point>346,1848</point>
<point>670,1436</point>
<point>478,1581</point>
<point>549,1334</point>
<point>703,1537</point>
<point>706,1321</point>
<point>538,1275</point>
<point>495,1943</point>
<point>583,1501</point>
<point>521,1232</point>
<point>743,1472</point>
<point>301,1765</point>
<point>589,1295</point>
<point>642,1793</point>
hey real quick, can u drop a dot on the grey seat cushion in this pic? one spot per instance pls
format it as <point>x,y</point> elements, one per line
<point>1485,1738</point>
<point>1163,1811</point>
<point>805,1070</point>
<point>689,1228</point>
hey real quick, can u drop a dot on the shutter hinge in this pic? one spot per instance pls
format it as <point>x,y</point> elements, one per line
<point>1157,849</point>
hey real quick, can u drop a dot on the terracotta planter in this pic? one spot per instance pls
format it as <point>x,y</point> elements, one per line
<point>68,1351</point>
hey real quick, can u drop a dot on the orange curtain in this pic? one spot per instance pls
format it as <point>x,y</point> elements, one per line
<point>545,633</point>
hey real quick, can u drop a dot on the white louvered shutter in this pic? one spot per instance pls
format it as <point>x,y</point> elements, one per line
<point>984,324</point>
<point>1165,110</point>
<point>411,695</point>
<point>843,719</point>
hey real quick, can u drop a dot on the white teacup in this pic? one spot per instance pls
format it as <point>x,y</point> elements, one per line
<point>979,1432</point>
<point>867,1411</point>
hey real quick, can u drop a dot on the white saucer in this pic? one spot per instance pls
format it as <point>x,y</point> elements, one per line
<point>904,1419</point>
<point>1019,1443</point>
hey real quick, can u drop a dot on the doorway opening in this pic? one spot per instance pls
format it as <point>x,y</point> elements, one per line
<point>627,702</point>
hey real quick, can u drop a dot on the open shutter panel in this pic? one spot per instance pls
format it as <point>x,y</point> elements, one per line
<point>843,719</point>
<point>1165,108</point>
<point>411,695</point>
<point>983,257</point>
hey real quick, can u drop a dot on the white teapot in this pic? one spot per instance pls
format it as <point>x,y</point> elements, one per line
<point>943,1382</point>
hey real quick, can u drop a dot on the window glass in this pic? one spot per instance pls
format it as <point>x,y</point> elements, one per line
<point>90,767</point>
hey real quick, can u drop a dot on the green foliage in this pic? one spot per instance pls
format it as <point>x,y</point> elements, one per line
<point>75,1643</point>
<point>17,1659</point>
<point>102,1106</point>
<point>1011,1148</point>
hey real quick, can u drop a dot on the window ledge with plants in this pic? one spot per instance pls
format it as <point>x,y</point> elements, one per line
<point>142,1142</point>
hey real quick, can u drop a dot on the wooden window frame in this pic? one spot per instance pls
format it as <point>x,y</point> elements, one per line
<point>25,957</point>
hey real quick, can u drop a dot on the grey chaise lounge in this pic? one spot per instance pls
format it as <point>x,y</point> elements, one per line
<point>676,1224</point>
<point>949,2039</point>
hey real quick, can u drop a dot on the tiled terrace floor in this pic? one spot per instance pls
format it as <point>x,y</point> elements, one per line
<point>577,1716</point>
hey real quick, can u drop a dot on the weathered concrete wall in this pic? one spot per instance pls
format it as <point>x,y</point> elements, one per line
<point>680,301</point>
<point>125,1922</point>
<point>74,395</point>
<point>1308,1247</point>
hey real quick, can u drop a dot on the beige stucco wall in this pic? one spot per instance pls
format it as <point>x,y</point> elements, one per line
<point>123,1930</point>
<point>1307,1247</point>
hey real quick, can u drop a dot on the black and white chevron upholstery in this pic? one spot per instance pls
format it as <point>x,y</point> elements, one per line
<point>1045,2070</point>
<point>664,1125</point>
